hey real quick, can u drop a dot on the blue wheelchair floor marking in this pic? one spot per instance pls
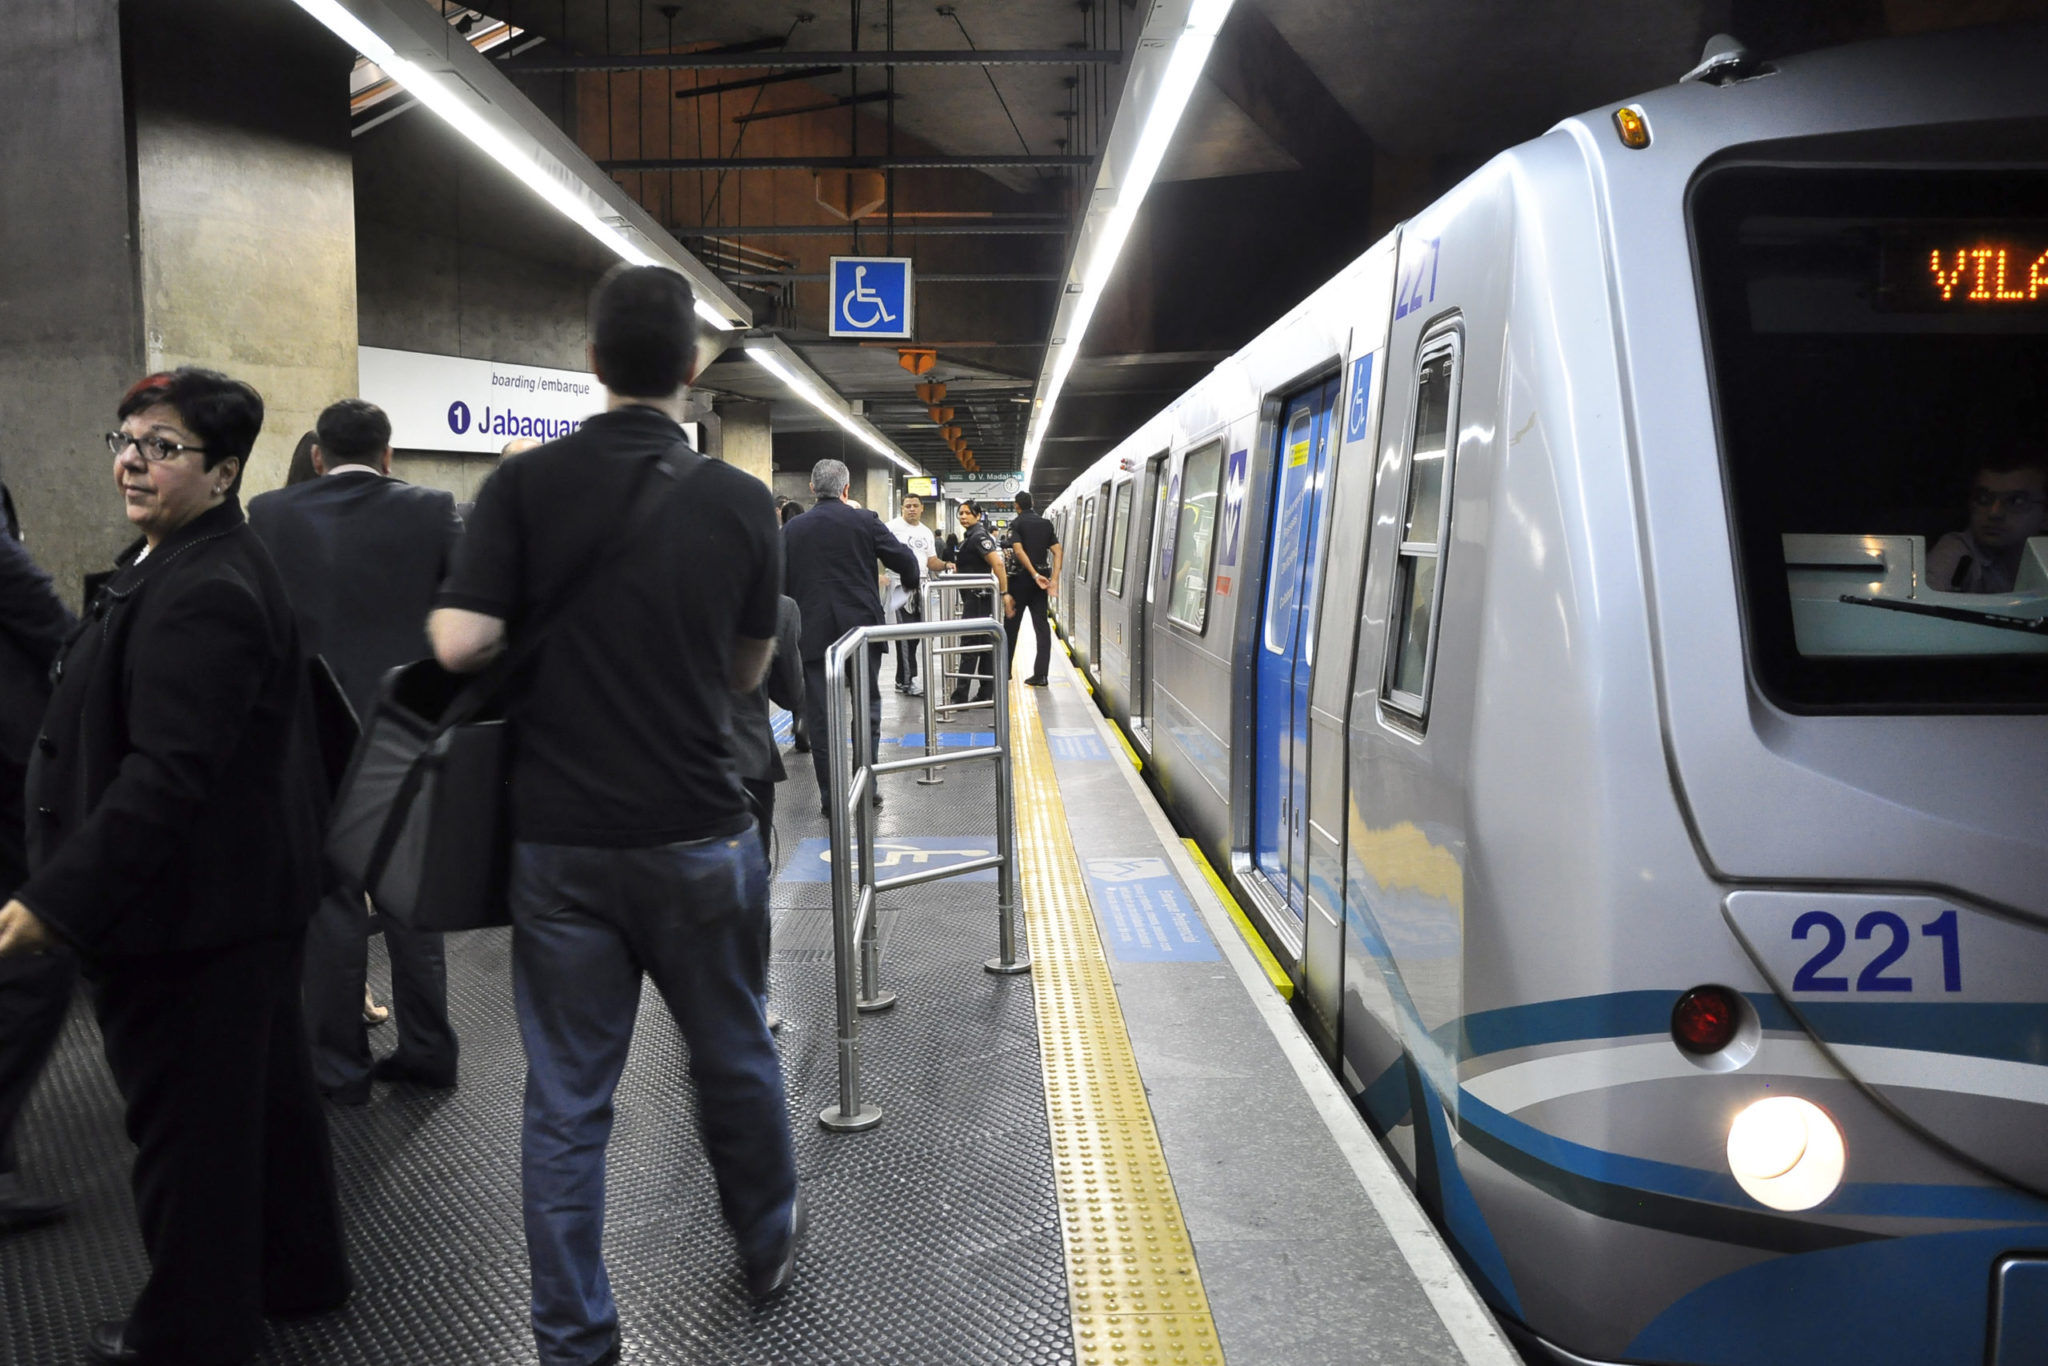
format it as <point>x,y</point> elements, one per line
<point>812,861</point>
<point>948,739</point>
<point>1144,914</point>
<point>1075,742</point>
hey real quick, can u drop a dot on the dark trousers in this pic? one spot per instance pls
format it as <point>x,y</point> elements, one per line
<point>233,1179</point>
<point>981,665</point>
<point>907,650</point>
<point>337,965</point>
<point>815,700</point>
<point>1033,602</point>
<point>35,990</point>
<point>586,924</point>
<point>35,993</point>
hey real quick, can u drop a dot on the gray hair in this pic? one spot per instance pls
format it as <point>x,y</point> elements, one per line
<point>829,478</point>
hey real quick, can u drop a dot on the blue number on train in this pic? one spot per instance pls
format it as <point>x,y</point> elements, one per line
<point>1943,927</point>
<point>1809,978</point>
<point>1872,978</point>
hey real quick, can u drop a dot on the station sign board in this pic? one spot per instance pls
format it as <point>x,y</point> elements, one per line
<point>873,296</point>
<point>453,403</point>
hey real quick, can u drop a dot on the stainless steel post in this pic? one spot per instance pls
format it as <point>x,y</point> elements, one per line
<point>850,1114</point>
<point>934,679</point>
<point>1008,960</point>
<point>872,997</point>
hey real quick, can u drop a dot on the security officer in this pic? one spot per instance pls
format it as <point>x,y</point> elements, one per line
<point>978,547</point>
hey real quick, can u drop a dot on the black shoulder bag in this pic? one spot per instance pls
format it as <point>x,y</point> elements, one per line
<point>422,820</point>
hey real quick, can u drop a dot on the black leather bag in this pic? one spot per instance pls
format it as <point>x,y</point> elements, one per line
<point>422,823</point>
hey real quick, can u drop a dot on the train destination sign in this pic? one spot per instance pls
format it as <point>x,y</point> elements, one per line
<point>1965,271</point>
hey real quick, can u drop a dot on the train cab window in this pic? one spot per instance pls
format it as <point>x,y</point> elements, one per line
<point>1201,477</point>
<point>1426,513</point>
<point>1879,343</point>
<point>1119,538</point>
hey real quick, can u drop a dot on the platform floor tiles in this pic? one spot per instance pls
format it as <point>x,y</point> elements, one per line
<point>934,1238</point>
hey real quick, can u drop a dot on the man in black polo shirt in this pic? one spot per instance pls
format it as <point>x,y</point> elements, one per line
<point>633,847</point>
<point>1038,553</point>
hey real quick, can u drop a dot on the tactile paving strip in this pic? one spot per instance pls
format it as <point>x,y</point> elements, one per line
<point>1132,1281</point>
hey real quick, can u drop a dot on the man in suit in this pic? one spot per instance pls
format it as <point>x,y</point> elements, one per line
<point>830,553</point>
<point>361,554</point>
<point>35,990</point>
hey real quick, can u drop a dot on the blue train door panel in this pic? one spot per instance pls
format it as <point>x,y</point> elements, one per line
<point>1285,645</point>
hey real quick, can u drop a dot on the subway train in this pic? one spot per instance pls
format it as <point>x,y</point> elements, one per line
<point>1552,629</point>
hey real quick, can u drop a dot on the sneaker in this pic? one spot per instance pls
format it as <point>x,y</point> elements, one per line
<point>914,690</point>
<point>766,1280</point>
<point>774,1020</point>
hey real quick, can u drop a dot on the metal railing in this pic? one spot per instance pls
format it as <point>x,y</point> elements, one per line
<point>938,675</point>
<point>856,940</point>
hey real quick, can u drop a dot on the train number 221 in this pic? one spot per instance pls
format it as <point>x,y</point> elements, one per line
<point>1873,978</point>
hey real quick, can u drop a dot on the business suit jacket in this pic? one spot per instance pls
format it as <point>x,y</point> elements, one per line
<point>830,554</point>
<point>33,625</point>
<point>175,799</point>
<point>361,555</point>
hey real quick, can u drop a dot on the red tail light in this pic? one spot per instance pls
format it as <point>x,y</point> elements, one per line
<point>1705,1020</point>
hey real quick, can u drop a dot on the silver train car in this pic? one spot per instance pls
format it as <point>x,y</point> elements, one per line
<point>1552,630</point>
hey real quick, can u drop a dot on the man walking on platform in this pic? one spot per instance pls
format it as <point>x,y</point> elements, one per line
<point>1038,555</point>
<point>831,552</point>
<point>633,849</point>
<point>361,554</point>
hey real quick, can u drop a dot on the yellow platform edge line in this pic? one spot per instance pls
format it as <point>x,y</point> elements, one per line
<point>1256,942</point>
<point>1133,1286</point>
<point>1130,752</point>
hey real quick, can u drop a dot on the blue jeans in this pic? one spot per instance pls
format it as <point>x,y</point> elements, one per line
<point>587,922</point>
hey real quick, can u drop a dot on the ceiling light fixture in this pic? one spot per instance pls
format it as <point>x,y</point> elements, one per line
<point>768,360</point>
<point>1190,53</point>
<point>440,96</point>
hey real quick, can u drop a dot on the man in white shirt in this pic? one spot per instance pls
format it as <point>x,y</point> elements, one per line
<point>909,528</point>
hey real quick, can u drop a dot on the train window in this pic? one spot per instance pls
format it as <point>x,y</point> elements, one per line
<point>1201,475</point>
<point>1426,502</point>
<point>1119,538</point>
<point>1087,539</point>
<point>1879,342</point>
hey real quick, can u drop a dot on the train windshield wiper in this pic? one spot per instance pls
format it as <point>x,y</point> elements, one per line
<point>2033,626</point>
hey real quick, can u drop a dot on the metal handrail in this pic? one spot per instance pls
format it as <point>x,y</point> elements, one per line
<point>932,593</point>
<point>856,938</point>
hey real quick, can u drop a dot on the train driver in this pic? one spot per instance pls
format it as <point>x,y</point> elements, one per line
<point>2008,504</point>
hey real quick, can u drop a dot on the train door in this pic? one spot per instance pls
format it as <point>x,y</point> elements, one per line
<point>1084,582</point>
<point>1146,511</point>
<point>1098,563</point>
<point>1114,585</point>
<point>1286,647</point>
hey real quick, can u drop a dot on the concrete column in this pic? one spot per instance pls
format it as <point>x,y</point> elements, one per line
<point>201,212</point>
<point>747,441</point>
<point>876,490</point>
<point>70,334</point>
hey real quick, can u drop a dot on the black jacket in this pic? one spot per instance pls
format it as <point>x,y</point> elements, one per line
<point>754,751</point>
<point>361,555</point>
<point>174,801</point>
<point>830,554</point>
<point>33,625</point>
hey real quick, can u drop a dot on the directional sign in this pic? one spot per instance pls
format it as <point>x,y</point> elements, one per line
<point>873,296</point>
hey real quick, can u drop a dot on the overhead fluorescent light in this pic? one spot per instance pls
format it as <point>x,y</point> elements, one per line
<point>1133,180</point>
<point>553,182</point>
<point>768,360</point>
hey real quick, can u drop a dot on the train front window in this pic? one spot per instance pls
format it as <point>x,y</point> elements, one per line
<point>1879,343</point>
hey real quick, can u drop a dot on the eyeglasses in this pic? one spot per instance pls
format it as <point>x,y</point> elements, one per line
<point>154,449</point>
<point>2013,500</point>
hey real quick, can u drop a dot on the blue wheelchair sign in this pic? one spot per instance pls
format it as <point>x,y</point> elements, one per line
<point>872,296</point>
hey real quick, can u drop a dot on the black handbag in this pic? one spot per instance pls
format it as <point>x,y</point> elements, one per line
<point>422,822</point>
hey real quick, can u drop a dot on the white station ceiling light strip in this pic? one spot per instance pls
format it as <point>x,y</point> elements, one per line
<point>1128,180</point>
<point>784,367</point>
<point>558,184</point>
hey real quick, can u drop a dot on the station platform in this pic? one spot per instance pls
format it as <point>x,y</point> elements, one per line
<point>1129,1155</point>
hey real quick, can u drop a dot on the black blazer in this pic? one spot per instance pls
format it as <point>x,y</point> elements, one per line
<point>33,625</point>
<point>174,799</point>
<point>830,553</point>
<point>361,556</point>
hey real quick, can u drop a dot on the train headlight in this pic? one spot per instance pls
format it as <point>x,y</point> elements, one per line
<point>1786,1152</point>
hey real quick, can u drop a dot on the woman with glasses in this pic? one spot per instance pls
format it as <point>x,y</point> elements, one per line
<point>2008,507</point>
<point>174,837</point>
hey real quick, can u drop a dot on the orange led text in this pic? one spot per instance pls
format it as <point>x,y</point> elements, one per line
<point>1988,272</point>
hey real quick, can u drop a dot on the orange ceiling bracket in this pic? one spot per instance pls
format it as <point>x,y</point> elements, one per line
<point>917,361</point>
